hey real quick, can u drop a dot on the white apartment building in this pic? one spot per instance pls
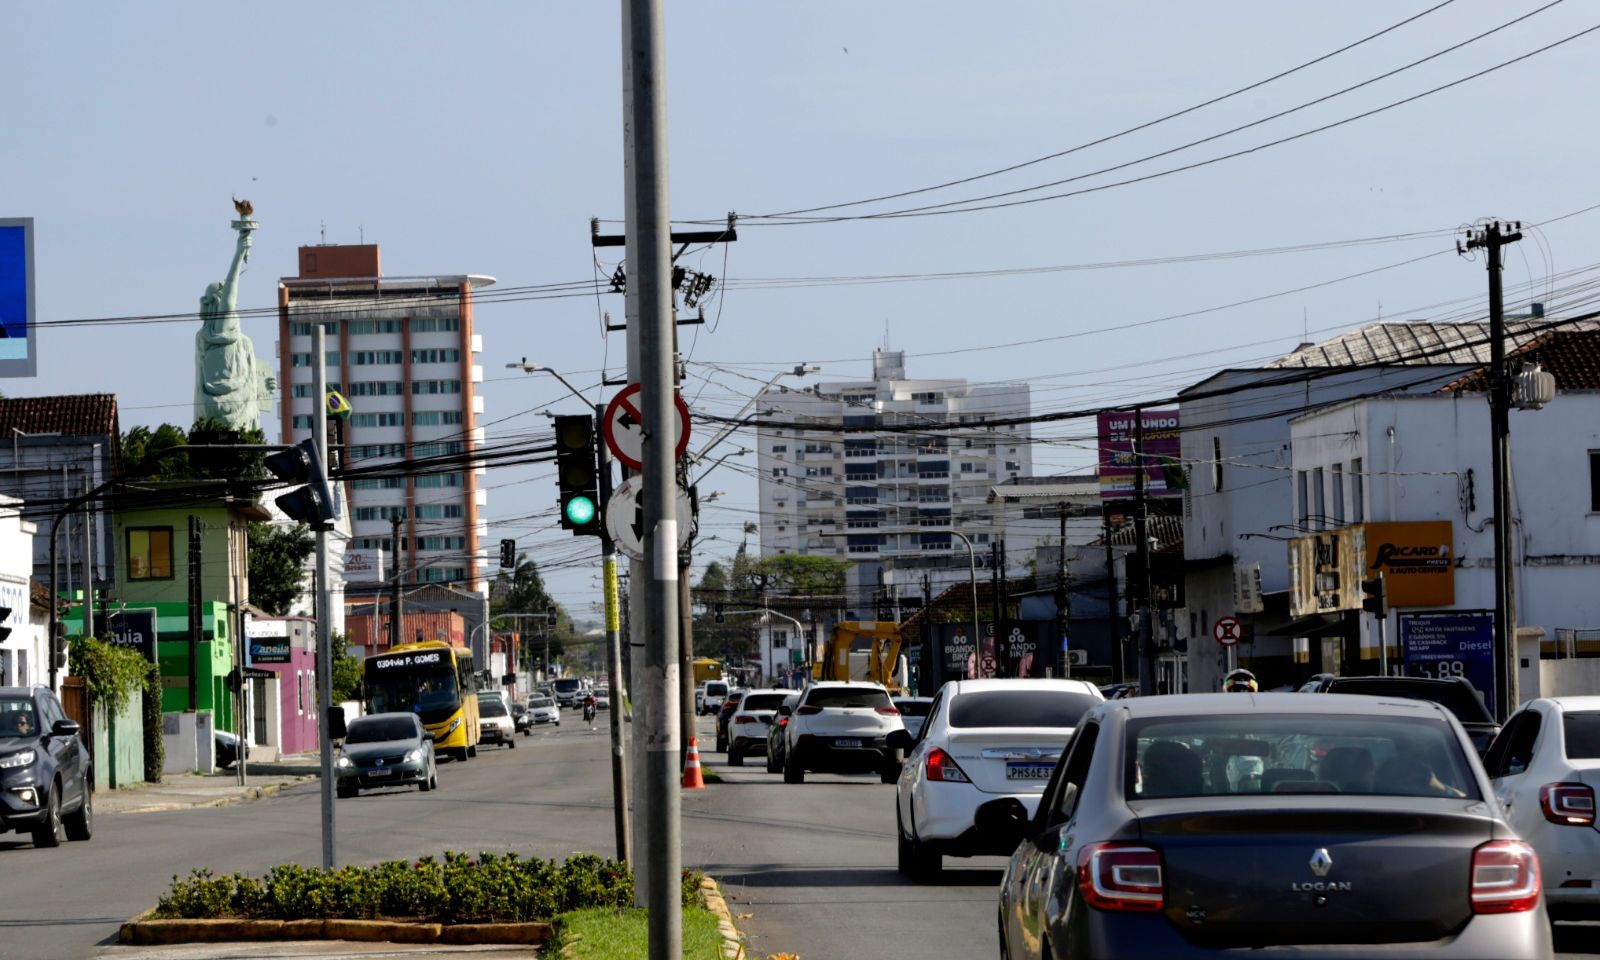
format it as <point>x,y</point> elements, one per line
<point>888,499</point>
<point>403,351</point>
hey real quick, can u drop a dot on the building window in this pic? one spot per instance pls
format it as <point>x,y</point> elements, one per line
<point>300,390</point>
<point>436,418</point>
<point>149,553</point>
<point>435,386</point>
<point>438,448</point>
<point>376,388</point>
<point>1338,493</point>
<point>435,324</point>
<point>438,511</point>
<point>302,421</point>
<point>382,513</point>
<point>371,358</point>
<point>1304,478</point>
<point>780,638</point>
<point>436,356</point>
<point>1216,463</point>
<point>1319,498</point>
<point>438,480</point>
<point>381,483</point>
<point>377,420</point>
<point>779,472</point>
<point>780,448</point>
<point>375,326</point>
<point>441,543</point>
<point>304,359</point>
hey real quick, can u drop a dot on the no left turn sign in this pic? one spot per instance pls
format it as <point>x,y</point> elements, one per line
<point>1227,631</point>
<point>624,427</point>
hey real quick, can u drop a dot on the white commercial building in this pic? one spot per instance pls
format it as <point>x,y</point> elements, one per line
<point>24,651</point>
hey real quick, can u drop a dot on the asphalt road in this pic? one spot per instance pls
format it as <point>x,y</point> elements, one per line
<point>811,865</point>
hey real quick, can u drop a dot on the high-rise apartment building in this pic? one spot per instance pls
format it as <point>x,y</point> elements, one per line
<point>403,351</point>
<point>887,499</point>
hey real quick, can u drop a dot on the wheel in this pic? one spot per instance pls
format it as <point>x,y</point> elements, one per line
<point>558,723</point>
<point>423,786</point>
<point>459,754</point>
<point>345,792</point>
<point>902,846</point>
<point>792,773</point>
<point>80,822</point>
<point>1005,951</point>
<point>512,744</point>
<point>722,744</point>
<point>472,751</point>
<point>913,859</point>
<point>735,758</point>
<point>433,779</point>
<point>889,774</point>
<point>772,766</point>
<point>48,833</point>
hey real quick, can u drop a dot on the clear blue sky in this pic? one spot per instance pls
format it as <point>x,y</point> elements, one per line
<point>481,138</point>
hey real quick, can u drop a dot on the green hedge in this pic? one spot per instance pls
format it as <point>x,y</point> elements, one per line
<point>458,889</point>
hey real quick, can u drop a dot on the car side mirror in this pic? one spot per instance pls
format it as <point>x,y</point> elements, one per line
<point>64,728</point>
<point>1003,823</point>
<point>898,740</point>
<point>785,710</point>
<point>336,724</point>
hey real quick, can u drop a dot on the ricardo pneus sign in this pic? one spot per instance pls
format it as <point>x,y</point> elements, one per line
<point>1417,560</point>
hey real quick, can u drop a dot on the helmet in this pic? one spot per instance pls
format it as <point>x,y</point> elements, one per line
<point>1240,681</point>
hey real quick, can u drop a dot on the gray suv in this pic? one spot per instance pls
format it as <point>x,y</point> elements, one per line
<point>45,776</point>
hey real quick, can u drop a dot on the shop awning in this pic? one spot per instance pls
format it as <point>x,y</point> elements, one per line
<point>1313,627</point>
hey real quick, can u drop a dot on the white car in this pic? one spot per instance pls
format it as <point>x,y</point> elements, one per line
<point>840,726</point>
<point>913,711</point>
<point>712,695</point>
<point>602,698</point>
<point>544,710</point>
<point>1545,768</point>
<point>984,741</point>
<point>751,722</point>
<point>494,719</point>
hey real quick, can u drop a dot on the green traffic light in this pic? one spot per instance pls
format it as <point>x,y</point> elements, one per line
<point>580,510</point>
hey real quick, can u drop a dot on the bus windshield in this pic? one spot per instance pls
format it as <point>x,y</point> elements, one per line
<point>568,685</point>
<point>428,690</point>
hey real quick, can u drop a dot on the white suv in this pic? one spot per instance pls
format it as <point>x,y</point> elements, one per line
<point>751,722</point>
<point>494,719</point>
<point>841,727</point>
<point>713,693</point>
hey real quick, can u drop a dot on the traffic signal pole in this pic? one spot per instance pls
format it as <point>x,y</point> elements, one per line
<point>319,422</point>
<point>619,690</point>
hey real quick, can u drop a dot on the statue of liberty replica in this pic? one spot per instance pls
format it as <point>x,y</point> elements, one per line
<point>230,382</point>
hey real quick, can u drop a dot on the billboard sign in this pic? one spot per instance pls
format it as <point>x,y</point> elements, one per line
<point>17,330</point>
<point>1163,471</point>
<point>131,630</point>
<point>1459,643</point>
<point>1417,561</point>
<point>1325,572</point>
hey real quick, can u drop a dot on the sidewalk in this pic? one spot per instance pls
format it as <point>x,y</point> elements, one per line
<point>321,949</point>
<point>183,791</point>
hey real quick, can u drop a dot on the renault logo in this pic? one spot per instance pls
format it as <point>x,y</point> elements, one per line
<point>1313,863</point>
<point>1321,863</point>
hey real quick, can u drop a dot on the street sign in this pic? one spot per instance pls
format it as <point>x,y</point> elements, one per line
<point>1459,643</point>
<point>1227,631</point>
<point>624,428</point>
<point>625,518</point>
<point>132,630</point>
<point>1247,589</point>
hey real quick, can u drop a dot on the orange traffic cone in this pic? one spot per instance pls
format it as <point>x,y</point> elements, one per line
<point>692,779</point>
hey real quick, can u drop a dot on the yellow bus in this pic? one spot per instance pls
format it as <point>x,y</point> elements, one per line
<point>705,669</point>
<point>433,680</point>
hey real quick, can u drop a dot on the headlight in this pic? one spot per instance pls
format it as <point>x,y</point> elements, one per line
<point>447,730</point>
<point>19,759</point>
<point>413,756</point>
<point>344,762</point>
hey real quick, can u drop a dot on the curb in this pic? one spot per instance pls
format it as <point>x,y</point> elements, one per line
<point>732,944</point>
<point>144,930</point>
<point>250,793</point>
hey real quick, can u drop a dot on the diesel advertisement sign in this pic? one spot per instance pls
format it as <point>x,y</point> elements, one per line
<point>1417,560</point>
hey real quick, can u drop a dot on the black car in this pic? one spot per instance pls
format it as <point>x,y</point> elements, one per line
<point>777,753</point>
<point>724,716</point>
<point>1456,694</point>
<point>46,783</point>
<point>1267,826</point>
<point>521,719</point>
<point>385,750</point>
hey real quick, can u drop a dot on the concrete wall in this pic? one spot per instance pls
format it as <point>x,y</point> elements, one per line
<point>119,746</point>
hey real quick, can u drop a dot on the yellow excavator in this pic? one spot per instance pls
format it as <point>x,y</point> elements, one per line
<point>864,650</point>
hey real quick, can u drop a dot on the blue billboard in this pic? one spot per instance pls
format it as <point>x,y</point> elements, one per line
<point>1459,643</point>
<point>17,330</point>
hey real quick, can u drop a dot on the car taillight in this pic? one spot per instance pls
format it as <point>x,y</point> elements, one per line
<point>809,711</point>
<point>1567,803</point>
<point>888,711</point>
<point>783,721</point>
<point>1121,877</point>
<point>942,767</point>
<point>744,718</point>
<point>1505,877</point>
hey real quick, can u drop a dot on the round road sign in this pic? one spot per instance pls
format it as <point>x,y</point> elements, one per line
<point>1227,630</point>
<point>624,427</point>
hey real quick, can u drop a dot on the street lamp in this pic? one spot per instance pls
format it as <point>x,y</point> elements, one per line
<point>527,367</point>
<point>800,370</point>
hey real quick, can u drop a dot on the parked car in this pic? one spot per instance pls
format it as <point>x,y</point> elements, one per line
<point>749,721</point>
<point>46,775</point>
<point>711,696</point>
<point>1456,694</point>
<point>776,739</point>
<point>385,750</point>
<point>1273,826</point>
<point>1119,691</point>
<point>984,740</point>
<point>1545,766</point>
<point>725,715</point>
<point>544,710</point>
<point>842,727</point>
<point>494,719</point>
<point>226,747</point>
<point>913,712</point>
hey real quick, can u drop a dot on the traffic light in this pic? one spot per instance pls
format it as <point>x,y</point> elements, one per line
<point>550,616</point>
<point>578,475</point>
<point>59,645</point>
<point>5,631</point>
<point>1376,596</point>
<point>508,554</point>
<point>312,503</point>
<point>717,613</point>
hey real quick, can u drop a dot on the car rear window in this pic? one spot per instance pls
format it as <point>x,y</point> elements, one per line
<point>1582,735</point>
<point>846,697</point>
<point>913,708</point>
<point>763,701</point>
<point>714,689</point>
<point>1299,753</point>
<point>380,729</point>
<point>1020,708</point>
<point>542,702</point>
<point>491,707</point>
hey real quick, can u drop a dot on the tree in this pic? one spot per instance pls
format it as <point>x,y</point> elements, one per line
<point>521,590</point>
<point>277,564</point>
<point>346,671</point>
<point>798,575</point>
<point>141,443</point>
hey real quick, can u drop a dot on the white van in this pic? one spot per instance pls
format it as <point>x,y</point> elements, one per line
<point>711,696</point>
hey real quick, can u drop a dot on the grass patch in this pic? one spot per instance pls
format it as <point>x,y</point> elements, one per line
<point>603,933</point>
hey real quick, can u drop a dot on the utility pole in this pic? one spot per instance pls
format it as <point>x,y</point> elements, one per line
<point>1063,599</point>
<point>325,704</point>
<point>395,600</point>
<point>1119,653</point>
<point>650,240</point>
<point>619,692</point>
<point>196,623</point>
<point>1491,238</point>
<point>1141,532</point>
